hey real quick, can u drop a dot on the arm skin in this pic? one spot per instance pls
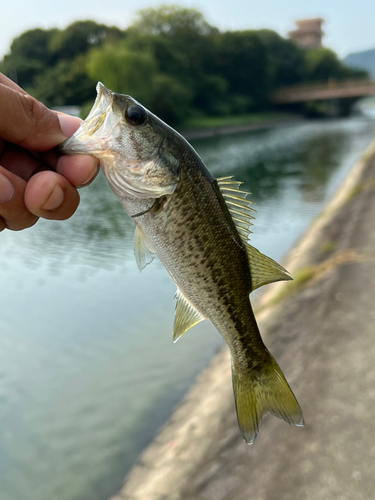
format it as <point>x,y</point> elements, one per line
<point>34,180</point>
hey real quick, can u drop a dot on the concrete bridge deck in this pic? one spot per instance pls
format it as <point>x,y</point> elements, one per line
<point>319,92</point>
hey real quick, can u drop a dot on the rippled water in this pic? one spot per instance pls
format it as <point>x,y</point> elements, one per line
<point>88,370</point>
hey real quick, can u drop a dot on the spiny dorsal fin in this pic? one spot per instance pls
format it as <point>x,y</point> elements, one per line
<point>186,316</point>
<point>238,205</point>
<point>263,269</point>
<point>142,252</point>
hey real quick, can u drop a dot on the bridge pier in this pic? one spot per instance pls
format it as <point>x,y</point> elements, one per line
<point>344,106</point>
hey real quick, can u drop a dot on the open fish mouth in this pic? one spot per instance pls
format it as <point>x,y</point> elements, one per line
<point>96,129</point>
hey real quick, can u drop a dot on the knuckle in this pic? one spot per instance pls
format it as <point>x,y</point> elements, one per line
<point>35,111</point>
<point>37,120</point>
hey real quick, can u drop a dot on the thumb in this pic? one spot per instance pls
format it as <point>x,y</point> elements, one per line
<point>27,122</point>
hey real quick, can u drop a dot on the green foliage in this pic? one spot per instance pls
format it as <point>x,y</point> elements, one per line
<point>171,99</point>
<point>29,56</point>
<point>64,84</point>
<point>172,21</point>
<point>79,37</point>
<point>241,60</point>
<point>322,64</point>
<point>286,61</point>
<point>135,72</point>
<point>126,70</point>
<point>182,43</point>
<point>171,60</point>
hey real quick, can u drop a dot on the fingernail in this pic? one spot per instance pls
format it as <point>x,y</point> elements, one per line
<point>69,124</point>
<point>55,199</point>
<point>6,189</point>
<point>91,179</point>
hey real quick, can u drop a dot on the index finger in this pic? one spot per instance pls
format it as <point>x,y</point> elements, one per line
<point>10,83</point>
<point>27,122</point>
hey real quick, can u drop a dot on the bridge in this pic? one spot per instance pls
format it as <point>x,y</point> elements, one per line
<point>344,93</point>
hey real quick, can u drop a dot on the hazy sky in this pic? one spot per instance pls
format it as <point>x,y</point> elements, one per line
<point>349,25</point>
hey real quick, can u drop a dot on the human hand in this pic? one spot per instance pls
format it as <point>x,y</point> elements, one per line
<point>34,180</point>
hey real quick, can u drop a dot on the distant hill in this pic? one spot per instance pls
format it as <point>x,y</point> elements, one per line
<point>362,60</point>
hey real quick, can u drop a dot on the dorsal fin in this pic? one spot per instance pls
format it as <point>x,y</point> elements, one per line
<point>143,253</point>
<point>238,206</point>
<point>263,269</point>
<point>186,316</point>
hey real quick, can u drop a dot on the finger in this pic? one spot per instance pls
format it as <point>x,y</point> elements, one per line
<point>20,162</point>
<point>13,211</point>
<point>80,170</point>
<point>10,83</point>
<point>27,122</point>
<point>51,196</point>
<point>69,124</point>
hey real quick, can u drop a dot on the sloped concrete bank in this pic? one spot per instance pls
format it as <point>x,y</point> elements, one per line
<point>321,329</point>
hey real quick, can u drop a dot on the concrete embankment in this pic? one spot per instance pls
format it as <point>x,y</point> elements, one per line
<point>321,329</point>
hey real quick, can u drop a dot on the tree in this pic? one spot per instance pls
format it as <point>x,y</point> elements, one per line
<point>171,20</point>
<point>183,44</point>
<point>81,36</point>
<point>123,70</point>
<point>286,61</point>
<point>242,61</point>
<point>66,83</point>
<point>29,55</point>
<point>136,73</point>
<point>323,64</point>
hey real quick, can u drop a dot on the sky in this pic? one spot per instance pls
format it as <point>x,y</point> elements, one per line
<point>349,25</point>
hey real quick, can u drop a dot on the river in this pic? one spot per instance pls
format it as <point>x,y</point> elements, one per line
<point>88,369</point>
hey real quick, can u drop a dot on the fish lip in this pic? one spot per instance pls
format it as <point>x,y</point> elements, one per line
<point>84,140</point>
<point>103,91</point>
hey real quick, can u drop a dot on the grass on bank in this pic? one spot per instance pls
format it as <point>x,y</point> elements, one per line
<point>224,121</point>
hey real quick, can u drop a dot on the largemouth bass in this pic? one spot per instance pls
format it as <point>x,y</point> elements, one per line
<point>198,227</point>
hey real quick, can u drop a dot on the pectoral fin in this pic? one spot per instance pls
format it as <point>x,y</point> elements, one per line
<point>142,252</point>
<point>263,269</point>
<point>186,316</point>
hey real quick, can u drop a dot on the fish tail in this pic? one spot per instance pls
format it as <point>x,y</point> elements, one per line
<point>261,390</point>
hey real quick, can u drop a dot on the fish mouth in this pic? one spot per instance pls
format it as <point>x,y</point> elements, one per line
<point>99,125</point>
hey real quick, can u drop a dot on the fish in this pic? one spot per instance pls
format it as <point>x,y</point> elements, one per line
<point>198,227</point>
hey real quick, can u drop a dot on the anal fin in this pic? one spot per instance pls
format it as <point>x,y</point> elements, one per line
<point>186,316</point>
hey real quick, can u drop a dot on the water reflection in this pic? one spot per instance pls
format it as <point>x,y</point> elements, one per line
<point>88,371</point>
<point>306,155</point>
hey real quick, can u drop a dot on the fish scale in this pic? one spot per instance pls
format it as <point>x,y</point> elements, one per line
<point>198,227</point>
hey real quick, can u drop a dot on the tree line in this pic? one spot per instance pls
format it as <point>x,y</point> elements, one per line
<point>171,60</point>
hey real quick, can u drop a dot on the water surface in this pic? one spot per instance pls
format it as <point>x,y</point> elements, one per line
<point>88,370</point>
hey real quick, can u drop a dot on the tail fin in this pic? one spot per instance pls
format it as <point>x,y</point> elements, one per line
<point>263,391</point>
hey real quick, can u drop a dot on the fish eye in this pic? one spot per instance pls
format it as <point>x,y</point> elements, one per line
<point>135,115</point>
